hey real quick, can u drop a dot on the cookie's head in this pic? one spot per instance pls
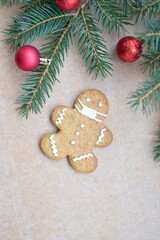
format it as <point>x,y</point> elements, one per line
<point>93,104</point>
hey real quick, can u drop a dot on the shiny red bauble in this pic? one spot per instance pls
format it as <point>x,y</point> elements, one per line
<point>27,58</point>
<point>128,49</point>
<point>68,5</point>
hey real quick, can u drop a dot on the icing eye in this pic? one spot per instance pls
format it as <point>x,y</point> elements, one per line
<point>88,99</point>
<point>100,104</point>
<point>82,125</point>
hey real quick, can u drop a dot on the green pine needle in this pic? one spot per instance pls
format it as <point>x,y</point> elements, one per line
<point>110,14</point>
<point>91,45</point>
<point>31,25</point>
<point>146,95</point>
<point>151,61</point>
<point>150,33</point>
<point>144,8</point>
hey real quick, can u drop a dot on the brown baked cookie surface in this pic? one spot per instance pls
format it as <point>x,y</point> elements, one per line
<point>81,128</point>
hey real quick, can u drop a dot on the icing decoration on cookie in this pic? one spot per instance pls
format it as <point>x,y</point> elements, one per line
<point>89,112</point>
<point>72,142</point>
<point>76,133</point>
<point>88,99</point>
<point>83,157</point>
<point>54,149</point>
<point>59,119</point>
<point>100,104</point>
<point>101,136</point>
<point>82,125</point>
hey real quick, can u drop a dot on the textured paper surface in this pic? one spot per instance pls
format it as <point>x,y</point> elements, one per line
<point>41,199</point>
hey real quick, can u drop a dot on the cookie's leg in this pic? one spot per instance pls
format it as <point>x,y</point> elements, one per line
<point>51,146</point>
<point>84,163</point>
<point>105,138</point>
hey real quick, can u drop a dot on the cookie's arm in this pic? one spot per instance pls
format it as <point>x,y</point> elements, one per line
<point>59,115</point>
<point>105,137</point>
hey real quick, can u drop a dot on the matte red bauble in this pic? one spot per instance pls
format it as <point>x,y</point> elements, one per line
<point>128,49</point>
<point>68,5</point>
<point>27,58</point>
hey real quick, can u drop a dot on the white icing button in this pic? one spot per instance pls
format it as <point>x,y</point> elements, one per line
<point>76,133</point>
<point>82,125</point>
<point>72,142</point>
<point>100,104</point>
<point>88,99</point>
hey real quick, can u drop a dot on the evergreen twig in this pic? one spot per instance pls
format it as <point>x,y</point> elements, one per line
<point>144,7</point>
<point>150,34</point>
<point>110,14</point>
<point>33,24</point>
<point>151,60</point>
<point>91,45</point>
<point>147,95</point>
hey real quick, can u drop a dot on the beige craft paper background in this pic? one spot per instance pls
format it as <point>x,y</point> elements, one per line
<point>41,199</point>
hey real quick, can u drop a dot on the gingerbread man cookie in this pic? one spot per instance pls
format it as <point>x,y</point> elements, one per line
<point>81,128</point>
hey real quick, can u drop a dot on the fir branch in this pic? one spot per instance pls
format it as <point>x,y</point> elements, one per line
<point>46,71</point>
<point>143,7</point>
<point>151,41</point>
<point>34,21</point>
<point>33,24</point>
<point>151,34</point>
<point>124,4</point>
<point>150,4</point>
<point>156,150</point>
<point>151,60</point>
<point>91,45</point>
<point>91,39</point>
<point>147,95</point>
<point>40,80</point>
<point>109,14</point>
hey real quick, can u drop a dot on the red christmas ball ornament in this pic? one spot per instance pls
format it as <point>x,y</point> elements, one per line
<point>27,58</point>
<point>68,5</point>
<point>128,49</point>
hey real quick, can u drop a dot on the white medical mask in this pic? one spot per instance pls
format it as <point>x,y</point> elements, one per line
<point>89,112</point>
